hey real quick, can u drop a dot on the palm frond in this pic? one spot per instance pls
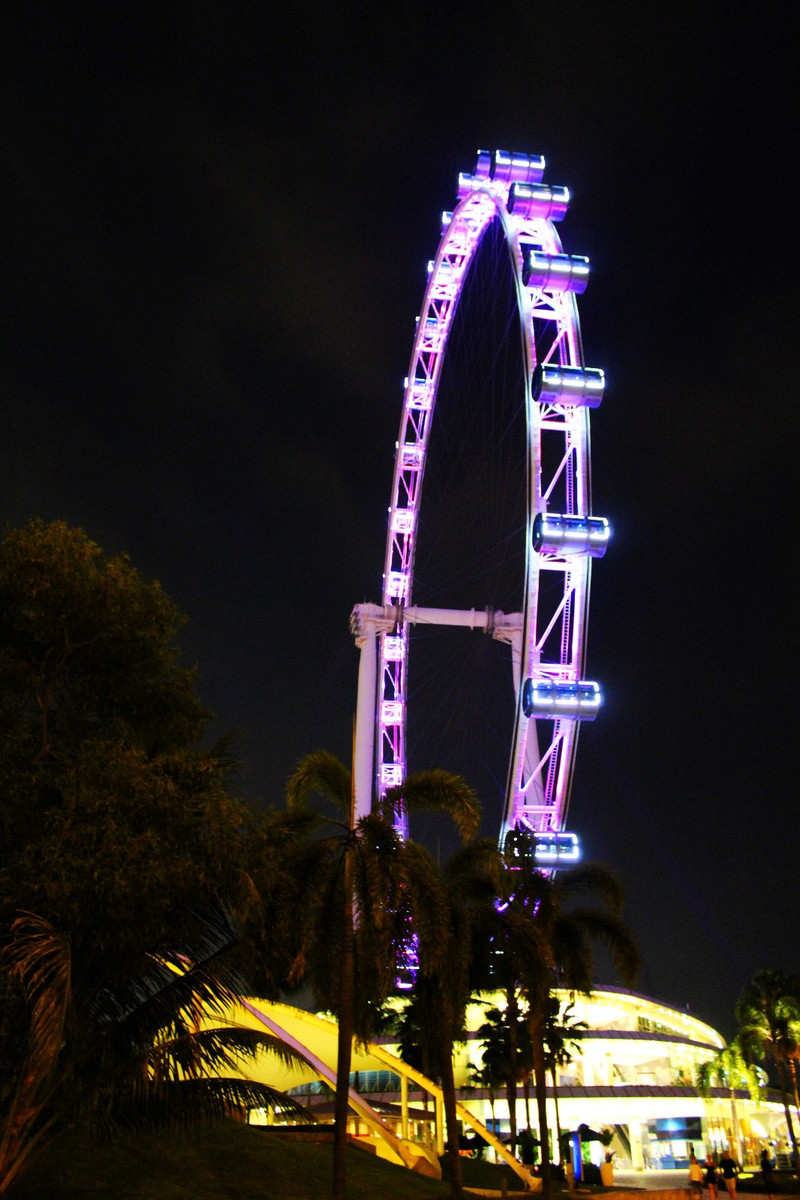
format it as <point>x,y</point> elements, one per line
<point>205,1051</point>
<point>38,959</point>
<point>474,869</point>
<point>440,791</point>
<point>610,932</point>
<point>323,773</point>
<point>149,1105</point>
<point>594,878</point>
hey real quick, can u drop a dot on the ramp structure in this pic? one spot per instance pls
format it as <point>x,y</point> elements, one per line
<point>314,1039</point>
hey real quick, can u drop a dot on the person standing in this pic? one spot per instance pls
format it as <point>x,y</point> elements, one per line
<point>729,1169</point>
<point>695,1175</point>
<point>767,1169</point>
<point>711,1176</point>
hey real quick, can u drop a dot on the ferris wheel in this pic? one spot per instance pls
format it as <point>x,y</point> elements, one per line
<point>504,211</point>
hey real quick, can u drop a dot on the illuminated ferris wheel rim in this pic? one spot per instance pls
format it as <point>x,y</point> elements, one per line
<point>547,643</point>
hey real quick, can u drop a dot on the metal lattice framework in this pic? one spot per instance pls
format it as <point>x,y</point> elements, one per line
<point>547,638</point>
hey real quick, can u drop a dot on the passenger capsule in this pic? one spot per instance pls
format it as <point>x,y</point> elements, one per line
<point>570,534</point>
<point>484,164</point>
<point>555,272</point>
<point>568,385</point>
<point>551,698</point>
<point>513,167</point>
<point>552,847</point>
<point>538,200</point>
<point>547,847</point>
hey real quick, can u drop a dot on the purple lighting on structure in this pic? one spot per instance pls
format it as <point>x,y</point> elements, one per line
<point>547,638</point>
<point>555,272</point>
<point>550,698</point>
<point>564,534</point>
<point>558,385</point>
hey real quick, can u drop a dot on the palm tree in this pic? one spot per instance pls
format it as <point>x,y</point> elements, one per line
<point>562,1031</point>
<point>489,1077</point>
<point>351,867</point>
<point>403,1024</point>
<point>564,935</point>
<point>468,884</point>
<point>504,944</point>
<point>506,1046</point>
<point>142,1052</point>
<point>366,891</point>
<point>788,1047</point>
<point>766,1010</point>
<point>729,1069</point>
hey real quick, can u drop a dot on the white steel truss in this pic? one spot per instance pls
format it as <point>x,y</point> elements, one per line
<point>546,639</point>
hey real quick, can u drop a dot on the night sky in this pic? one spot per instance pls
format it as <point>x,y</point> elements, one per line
<point>215,234</point>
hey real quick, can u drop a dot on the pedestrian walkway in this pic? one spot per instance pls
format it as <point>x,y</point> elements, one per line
<point>660,1181</point>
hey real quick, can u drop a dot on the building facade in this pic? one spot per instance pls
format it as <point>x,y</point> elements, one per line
<point>634,1071</point>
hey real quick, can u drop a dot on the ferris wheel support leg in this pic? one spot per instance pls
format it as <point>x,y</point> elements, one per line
<point>364,741</point>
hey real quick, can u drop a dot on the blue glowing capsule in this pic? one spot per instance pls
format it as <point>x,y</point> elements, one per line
<point>555,272</point>
<point>554,533</point>
<point>546,848</point>
<point>514,167</point>
<point>484,164</point>
<point>552,847</point>
<point>550,698</point>
<point>568,385</point>
<point>538,200</point>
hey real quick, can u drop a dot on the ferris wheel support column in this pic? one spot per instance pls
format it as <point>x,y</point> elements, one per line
<point>366,622</point>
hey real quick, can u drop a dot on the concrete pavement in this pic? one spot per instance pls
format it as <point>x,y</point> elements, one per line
<point>659,1181</point>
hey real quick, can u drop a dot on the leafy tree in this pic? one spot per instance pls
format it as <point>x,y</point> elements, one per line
<point>729,1069</point>
<point>112,821</point>
<point>87,652</point>
<point>120,846</point>
<point>767,1012</point>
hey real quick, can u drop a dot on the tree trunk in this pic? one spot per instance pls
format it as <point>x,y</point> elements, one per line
<point>787,1110</point>
<point>526,1096</point>
<point>737,1132</point>
<point>344,1051</point>
<point>451,1119</point>
<point>558,1115</point>
<point>540,1079</point>
<point>512,1018</point>
<point>793,1073</point>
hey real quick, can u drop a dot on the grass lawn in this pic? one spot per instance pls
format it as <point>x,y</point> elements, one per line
<point>226,1162</point>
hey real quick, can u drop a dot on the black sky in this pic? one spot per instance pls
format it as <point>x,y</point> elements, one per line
<point>215,233</point>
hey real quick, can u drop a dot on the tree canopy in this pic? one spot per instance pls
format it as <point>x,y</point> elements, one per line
<point>126,867</point>
<point>114,825</point>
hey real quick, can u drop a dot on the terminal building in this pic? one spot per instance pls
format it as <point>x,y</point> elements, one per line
<point>633,1076</point>
<point>635,1071</point>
